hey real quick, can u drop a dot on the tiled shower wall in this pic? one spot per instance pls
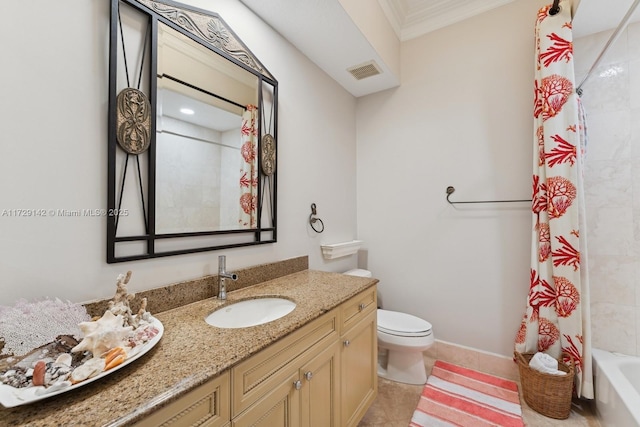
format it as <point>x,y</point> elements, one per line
<point>612,186</point>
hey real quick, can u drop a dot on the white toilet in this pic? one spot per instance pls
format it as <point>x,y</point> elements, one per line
<point>401,340</point>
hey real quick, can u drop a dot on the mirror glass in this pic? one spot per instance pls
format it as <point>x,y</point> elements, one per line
<point>199,136</point>
<point>206,181</point>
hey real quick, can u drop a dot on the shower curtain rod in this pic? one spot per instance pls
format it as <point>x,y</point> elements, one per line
<point>621,26</point>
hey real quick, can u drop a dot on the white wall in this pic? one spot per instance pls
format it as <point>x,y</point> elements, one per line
<point>54,155</point>
<point>462,117</point>
<point>612,187</point>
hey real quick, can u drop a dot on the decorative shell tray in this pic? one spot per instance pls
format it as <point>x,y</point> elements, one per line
<point>11,396</point>
<point>53,367</point>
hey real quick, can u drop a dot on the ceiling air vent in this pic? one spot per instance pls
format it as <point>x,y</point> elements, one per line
<point>362,71</point>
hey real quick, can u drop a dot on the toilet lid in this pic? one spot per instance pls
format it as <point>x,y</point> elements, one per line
<point>402,324</point>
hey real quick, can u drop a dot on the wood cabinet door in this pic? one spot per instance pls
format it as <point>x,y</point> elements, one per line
<point>206,405</point>
<point>359,376</point>
<point>279,408</point>
<point>321,389</point>
<point>256,376</point>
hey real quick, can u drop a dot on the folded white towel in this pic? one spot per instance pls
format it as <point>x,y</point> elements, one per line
<point>544,363</point>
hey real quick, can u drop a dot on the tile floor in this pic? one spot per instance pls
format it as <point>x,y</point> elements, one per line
<point>396,402</point>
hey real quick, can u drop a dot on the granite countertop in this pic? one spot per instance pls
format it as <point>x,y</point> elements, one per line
<point>190,353</point>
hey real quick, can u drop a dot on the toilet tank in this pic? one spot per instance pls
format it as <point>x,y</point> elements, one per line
<point>358,272</point>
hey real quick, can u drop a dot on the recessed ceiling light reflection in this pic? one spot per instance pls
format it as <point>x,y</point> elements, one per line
<point>187,111</point>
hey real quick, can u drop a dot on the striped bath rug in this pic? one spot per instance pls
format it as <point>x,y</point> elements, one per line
<point>457,396</point>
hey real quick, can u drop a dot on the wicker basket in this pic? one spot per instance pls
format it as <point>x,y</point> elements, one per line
<point>547,394</point>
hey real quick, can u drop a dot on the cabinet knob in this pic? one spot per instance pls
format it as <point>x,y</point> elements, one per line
<point>361,306</point>
<point>308,375</point>
<point>297,385</point>
<point>346,343</point>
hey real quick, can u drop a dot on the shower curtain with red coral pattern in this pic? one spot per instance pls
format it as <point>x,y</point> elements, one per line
<point>248,168</point>
<point>557,317</point>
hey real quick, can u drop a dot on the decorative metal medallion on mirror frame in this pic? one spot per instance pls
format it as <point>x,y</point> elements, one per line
<point>132,128</point>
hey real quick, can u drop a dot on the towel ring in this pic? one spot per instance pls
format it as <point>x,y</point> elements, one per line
<point>313,220</point>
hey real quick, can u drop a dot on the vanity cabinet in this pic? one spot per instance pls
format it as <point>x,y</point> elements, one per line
<point>293,382</point>
<point>359,355</point>
<point>322,374</point>
<point>206,405</point>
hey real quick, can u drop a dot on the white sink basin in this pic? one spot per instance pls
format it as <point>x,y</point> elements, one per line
<point>250,312</point>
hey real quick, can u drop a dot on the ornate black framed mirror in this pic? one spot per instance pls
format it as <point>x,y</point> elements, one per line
<point>192,135</point>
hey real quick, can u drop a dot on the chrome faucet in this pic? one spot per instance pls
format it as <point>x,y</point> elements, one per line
<point>222,276</point>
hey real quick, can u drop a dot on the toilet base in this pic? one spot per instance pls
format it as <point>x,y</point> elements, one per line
<point>404,367</point>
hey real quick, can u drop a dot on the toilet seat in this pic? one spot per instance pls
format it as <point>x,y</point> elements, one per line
<point>402,324</point>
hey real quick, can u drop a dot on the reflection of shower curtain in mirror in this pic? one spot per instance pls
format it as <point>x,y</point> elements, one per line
<point>249,168</point>
<point>557,318</point>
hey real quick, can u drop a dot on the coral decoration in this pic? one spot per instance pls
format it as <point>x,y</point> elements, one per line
<point>247,182</point>
<point>248,202</point>
<point>567,298</point>
<point>573,350</point>
<point>541,293</point>
<point>540,137</point>
<point>249,127</point>
<point>244,181</point>
<point>539,198</point>
<point>564,152</point>
<point>567,255</point>
<point>544,242</point>
<point>561,193</point>
<point>28,325</point>
<point>533,301</point>
<point>561,49</point>
<point>105,345</point>
<point>248,151</point>
<point>120,304</point>
<point>551,95</point>
<point>537,100</point>
<point>543,13</point>
<point>548,334</point>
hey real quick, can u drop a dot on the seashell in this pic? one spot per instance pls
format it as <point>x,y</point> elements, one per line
<point>38,373</point>
<point>115,361</point>
<point>103,334</point>
<point>88,369</point>
<point>64,359</point>
<point>114,352</point>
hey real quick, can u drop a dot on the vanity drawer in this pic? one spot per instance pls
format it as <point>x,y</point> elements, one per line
<point>266,370</point>
<point>206,405</point>
<point>357,308</point>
